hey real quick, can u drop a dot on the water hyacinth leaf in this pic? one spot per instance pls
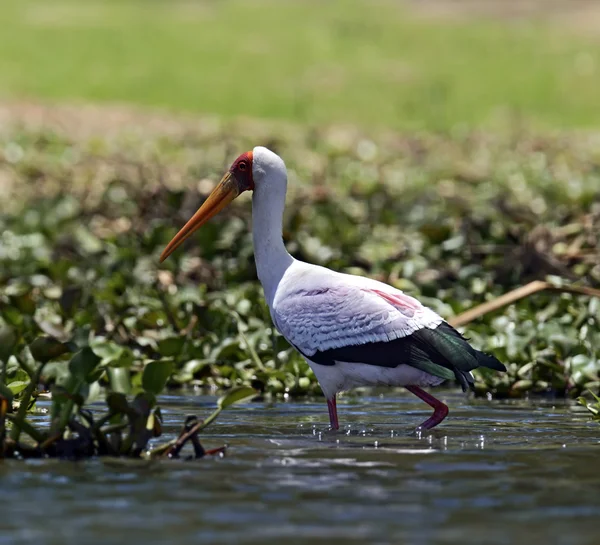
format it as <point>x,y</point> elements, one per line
<point>24,303</point>
<point>170,347</point>
<point>235,395</point>
<point>107,350</point>
<point>12,316</point>
<point>8,340</point>
<point>69,299</point>
<point>120,379</point>
<point>304,382</point>
<point>144,401</point>
<point>155,375</point>
<point>522,385</point>
<point>194,366</point>
<point>46,348</point>
<point>485,254</point>
<point>56,371</point>
<point>89,243</point>
<point>113,354</point>
<point>592,406</point>
<point>17,386</point>
<point>117,403</point>
<point>94,393</point>
<point>85,365</point>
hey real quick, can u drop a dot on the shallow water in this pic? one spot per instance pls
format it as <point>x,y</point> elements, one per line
<point>493,472</point>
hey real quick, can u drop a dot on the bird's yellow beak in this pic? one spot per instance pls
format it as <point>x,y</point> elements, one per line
<point>227,190</point>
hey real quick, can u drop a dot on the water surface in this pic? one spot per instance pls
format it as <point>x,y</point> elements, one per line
<point>493,472</point>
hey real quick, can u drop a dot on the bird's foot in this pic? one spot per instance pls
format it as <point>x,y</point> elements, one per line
<point>437,417</point>
<point>440,410</point>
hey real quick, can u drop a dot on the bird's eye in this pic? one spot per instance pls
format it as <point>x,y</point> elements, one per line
<point>242,166</point>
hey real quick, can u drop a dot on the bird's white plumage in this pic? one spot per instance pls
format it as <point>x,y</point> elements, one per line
<point>317,309</point>
<point>347,375</point>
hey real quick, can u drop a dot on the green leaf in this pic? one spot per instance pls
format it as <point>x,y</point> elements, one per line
<point>47,348</point>
<point>171,346</point>
<point>94,393</point>
<point>24,303</point>
<point>8,340</point>
<point>113,354</point>
<point>84,365</point>
<point>117,403</point>
<point>107,350</point>
<point>235,395</point>
<point>17,386</point>
<point>12,316</point>
<point>156,374</point>
<point>69,299</point>
<point>144,401</point>
<point>120,379</point>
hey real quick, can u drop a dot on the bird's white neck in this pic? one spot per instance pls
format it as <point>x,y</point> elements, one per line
<point>272,258</point>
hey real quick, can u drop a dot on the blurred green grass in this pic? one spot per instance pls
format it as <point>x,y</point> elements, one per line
<point>369,63</point>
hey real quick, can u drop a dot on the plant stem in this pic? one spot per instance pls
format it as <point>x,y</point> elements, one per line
<point>27,368</point>
<point>251,350</point>
<point>114,427</point>
<point>66,410</point>
<point>36,435</point>
<point>22,412</point>
<point>515,295</point>
<point>163,449</point>
<point>210,419</point>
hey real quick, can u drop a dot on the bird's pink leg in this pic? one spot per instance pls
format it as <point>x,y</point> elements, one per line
<point>333,419</point>
<point>440,410</point>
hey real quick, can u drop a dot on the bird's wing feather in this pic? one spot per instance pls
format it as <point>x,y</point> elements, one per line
<point>332,317</point>
<point>318,316</point>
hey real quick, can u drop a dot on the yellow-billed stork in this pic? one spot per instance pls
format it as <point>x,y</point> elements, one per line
<point>353,331</point>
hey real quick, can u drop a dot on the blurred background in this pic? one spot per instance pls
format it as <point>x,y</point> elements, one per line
<point>404,64</point>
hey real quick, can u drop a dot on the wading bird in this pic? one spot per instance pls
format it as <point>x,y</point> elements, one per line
<point>353,331</point>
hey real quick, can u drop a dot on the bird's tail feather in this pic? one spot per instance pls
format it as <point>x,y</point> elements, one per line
<point>448,348</point>
<point>489,361</point>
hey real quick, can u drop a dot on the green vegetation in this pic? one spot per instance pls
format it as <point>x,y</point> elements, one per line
<point>593,406</point>
<point>477,197</point>
<point>76,432</point>
<point>349,61</point>
<point>454,221</point>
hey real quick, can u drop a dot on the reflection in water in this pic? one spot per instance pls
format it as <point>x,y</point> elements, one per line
<point>500,473</point>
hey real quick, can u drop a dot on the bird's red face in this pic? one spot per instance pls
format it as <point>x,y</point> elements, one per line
<point>236,180</point>
<point>241,169</point>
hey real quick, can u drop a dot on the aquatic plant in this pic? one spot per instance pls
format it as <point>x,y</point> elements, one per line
<point>77,429</point>
<point>592,406</point>
<point>457,220</point>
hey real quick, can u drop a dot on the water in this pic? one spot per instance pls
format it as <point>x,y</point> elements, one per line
<point>493,473</point>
